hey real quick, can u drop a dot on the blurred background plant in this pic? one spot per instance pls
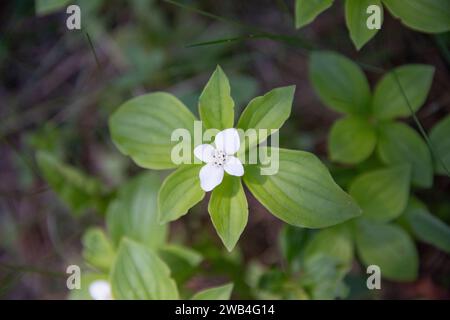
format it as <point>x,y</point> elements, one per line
<point>59,171</point>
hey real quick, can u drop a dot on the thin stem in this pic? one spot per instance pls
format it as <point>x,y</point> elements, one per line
<point>434,154</point>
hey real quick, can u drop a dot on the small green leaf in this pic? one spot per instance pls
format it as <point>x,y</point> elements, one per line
<point>389,247</point>
<point>399,144</point>
<point>356,18</point>
<point>323,277</point>
<point>382,194</point>
<point>181,260</point>
<point>76,189</point>
<point>142,128</point>
<point>44,7</point>
<point>267,112</point>
<point>179,192</point>
<point>307,10</point>
<point>271,282</point>
<point>340,83</point>
<point>413,81</point>
<point>440,141</point>
<point>49,137</point>
<point>292,242</point>
<point>327,259</point>
<point>134,214</point>
<point>335,241</point>
<point>302,192</point>
<point>431,16</point>
<point>216,106</point>
<point>139,274</point>
<point>352,140</point>
<point>216,293</point>
<point>190,256</point>
<point>427,227</point>
<point>97,249</point>
<point>228,209</point>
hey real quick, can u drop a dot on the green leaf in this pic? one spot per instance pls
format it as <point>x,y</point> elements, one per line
<point>216,293</point>
<point>190,256</point>
<point>389,247</point>
<point>134,214</point>
<point>77,190</point>
<point>228,209</point>
<point>44,7</point>
<point>336,242</point>
<point>307,10</point>
<point>292,242</point>
<point>399,144</point>
<point>139,274</point>
<point>181,260</point>
<point>302,192</point>
<point>413,81</point>
<point>142,128</point>
<point>440,141</point>
<point>431,16</point>
<point>97,249</point>
<point>267,112</point>
<point>340,83</point>
<point>327,259</point>
<point>356,18</point>
<point>272,281</point>
<point>49,137</point>
<point>427,227</point>
<point>323,277</point>
<point>382,194</point>
<point>179,192</point>
<point>352,140</point>
<point>215,105</point>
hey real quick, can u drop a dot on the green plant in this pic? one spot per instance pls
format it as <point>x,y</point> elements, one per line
<point>301,193</point>
<point>431,16</point>
<point>342,86</point>
<point>78,190</point>
<point>134,256</point>
<point>440,141</point>
<point>314,265</point>
<point>391,216</point>
<point>379,161</point>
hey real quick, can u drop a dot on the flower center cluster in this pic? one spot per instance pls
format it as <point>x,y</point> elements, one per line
<point>219,158</point>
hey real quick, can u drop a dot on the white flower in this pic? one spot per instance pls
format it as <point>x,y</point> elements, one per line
<point>219,159</point>
<point>100,290</point>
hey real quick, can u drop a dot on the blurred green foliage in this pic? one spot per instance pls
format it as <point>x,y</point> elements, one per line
<point>146,46</point>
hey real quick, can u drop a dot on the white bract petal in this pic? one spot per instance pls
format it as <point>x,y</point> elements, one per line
<point>228,141</point>
<point>210,176</point>
<point>100,290</point>
<point>204,152</point>
<point>234,166</point>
